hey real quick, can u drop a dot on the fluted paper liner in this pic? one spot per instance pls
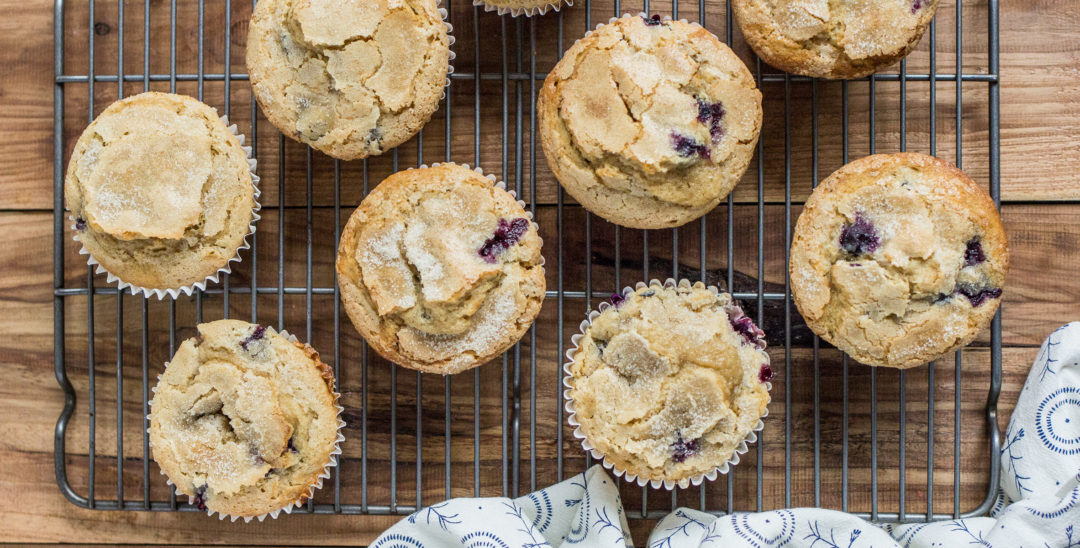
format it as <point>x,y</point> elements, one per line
<point>723,468</point>
<point>174,292</point>
<point>450,45</point>
<point>324,475</point>
<point>527,12</point>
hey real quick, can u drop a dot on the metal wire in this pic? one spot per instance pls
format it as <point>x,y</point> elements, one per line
<point>525,389</point>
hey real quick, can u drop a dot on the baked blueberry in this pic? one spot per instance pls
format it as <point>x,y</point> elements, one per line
<point>256,334</point>
<point>687,147</point>
<point>860,237</point>
<point>712,114</point>
<point>765,375</point>
<point>506,234</point>
<point>683,449</point>
<point>973,252</point>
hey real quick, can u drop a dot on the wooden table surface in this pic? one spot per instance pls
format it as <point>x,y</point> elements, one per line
<point>1040,138</point>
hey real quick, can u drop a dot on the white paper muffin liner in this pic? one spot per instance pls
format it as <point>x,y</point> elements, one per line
<point>324,475</point>
<point>711,475</point>
<point>450,46</point>
<point>527,12</point>
<point>174,292</point>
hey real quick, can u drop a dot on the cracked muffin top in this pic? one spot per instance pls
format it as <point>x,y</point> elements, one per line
<point>649,123</point>
<point>243,420</point>
<point>440,269</point>
<point>160,190</point>
<point>898,259</point>
<point>351,78</point>
<point>833,38</point>
<point>669,381</point>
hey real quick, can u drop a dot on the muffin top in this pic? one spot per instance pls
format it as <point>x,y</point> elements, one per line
<point>669,381</point>
<point>648,122</point>
<point>243,420</point>
<point>898,259</point>
<point>161,191</point>
<point>440,269</point>
<point>352,78</point>
<point>848,39</point>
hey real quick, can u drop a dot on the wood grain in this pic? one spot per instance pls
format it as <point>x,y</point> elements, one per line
<point>1040,117</point>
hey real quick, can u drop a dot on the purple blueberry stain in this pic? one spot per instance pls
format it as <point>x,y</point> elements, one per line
<point>200,498</point>
<point>859,237</point>
<point>507,233</point>
<point>712,114</point>
<point>745,327</point>
<point>80,224</point>
<point>616,299</point>
<point>653,21</point>
<point>765,375</point>
<point>978,295</point>
<point>915,6</point>
<point>683,449</point>
<point>973,253</point>
<point>255,335</point>
<point>686,147</point>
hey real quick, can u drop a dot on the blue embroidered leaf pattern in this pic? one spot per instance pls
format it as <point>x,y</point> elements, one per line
<point>442,519</point>
<point>526,527</point>
<point>960,527</point>
<point>680,530</point>
<point>1018,478</point>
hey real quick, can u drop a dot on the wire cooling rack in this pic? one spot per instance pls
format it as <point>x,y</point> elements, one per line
<point>881,443</point>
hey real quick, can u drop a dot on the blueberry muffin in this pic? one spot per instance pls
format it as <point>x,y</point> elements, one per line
<point>669,382</point>
<point>161,192</point>
<point>527,8</point>
<point>848,39</point>
<point>350,78</point>
<point>898,259</point>
<point>440,269</point>
<point>648,122</point>
<point>245,421</point>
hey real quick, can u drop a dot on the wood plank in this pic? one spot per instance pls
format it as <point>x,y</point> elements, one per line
<point>1033,90</point>
<point>26,112</point>
<point>27,297</point>
<point>1039,143</point>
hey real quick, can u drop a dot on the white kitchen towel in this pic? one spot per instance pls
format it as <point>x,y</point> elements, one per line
<point>1039,503</point>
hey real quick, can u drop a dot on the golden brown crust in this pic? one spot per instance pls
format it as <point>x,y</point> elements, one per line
<point>352,79</point>
<point>937,210</point>
<point>818,38</point>
<point>413,280</point>
<point>614,106</point>
<point>161,189</point>
<point>244,420</point>
<point>664,386</point>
